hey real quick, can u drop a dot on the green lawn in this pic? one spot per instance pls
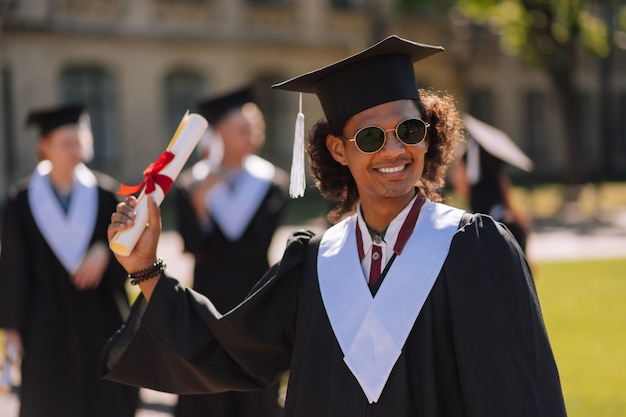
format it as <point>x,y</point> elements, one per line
<point>584,307</point>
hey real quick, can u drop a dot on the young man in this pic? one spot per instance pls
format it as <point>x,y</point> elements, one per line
<point>61,294</point>
<point>229,204</point>
<point>405,307</point>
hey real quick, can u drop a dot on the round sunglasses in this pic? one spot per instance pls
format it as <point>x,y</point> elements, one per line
<point>371,139</point>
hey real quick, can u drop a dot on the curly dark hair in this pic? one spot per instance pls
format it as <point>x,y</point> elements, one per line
<point>335,181</point>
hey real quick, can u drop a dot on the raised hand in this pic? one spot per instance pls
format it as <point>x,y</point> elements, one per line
<point>144,253</point>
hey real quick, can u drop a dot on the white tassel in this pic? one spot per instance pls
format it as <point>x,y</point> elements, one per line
<point>298,179</point>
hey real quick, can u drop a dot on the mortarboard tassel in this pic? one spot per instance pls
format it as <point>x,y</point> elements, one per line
<point>298,179</point>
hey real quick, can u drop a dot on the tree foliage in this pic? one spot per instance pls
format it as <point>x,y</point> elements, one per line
<point>553,35</point>
<point>536,28</point>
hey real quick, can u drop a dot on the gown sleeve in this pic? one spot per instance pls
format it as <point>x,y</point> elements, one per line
<point>179,342</point>
<point>13,266</point>
<point>209,244</point>
<point>504,359</point>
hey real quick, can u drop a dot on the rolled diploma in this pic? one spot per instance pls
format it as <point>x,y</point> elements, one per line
<point>185,139</point>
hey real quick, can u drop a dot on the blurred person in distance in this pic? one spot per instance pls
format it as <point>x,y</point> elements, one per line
<point>229,205</point>
<point>479,175</point>
<point>61,290</point>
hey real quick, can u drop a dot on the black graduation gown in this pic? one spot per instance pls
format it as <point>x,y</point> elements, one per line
<point>218,258</point>
<point>63,330</point>
<point>227,270</point>
<point>487,193</point>
<point>478,348</point>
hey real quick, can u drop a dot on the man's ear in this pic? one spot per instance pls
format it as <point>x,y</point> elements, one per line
<point>337,148</point>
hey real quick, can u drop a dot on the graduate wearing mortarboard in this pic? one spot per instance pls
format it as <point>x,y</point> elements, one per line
<point>61,290</point>
<point>404,307</point>
<point>229,204</point>
<point>479,175</point>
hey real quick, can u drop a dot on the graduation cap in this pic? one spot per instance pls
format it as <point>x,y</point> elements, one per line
<point>215,108</point>
<point>49,119</point>
<point>379,74</point>
<point>496,143</point>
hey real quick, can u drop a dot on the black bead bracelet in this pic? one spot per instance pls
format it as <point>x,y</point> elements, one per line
<point>156,269</point>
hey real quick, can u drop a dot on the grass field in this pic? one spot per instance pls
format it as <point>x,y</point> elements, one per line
<point>584,307</point>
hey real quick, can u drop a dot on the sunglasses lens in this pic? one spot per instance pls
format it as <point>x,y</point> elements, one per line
<point>370,139</point>
<point>412,131</point>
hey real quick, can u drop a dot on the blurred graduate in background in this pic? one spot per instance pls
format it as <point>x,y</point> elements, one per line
<point>61,290</point>
<point>229,204</point>
<point>479,176</point>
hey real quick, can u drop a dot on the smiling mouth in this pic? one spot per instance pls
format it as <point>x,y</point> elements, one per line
<point>392,170</point>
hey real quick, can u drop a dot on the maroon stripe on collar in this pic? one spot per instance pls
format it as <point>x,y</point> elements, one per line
<point>409,223</point>
<point>405,230</point>
<point>359,241</point>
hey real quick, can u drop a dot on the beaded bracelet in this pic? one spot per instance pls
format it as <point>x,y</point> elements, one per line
<point>156,269</point>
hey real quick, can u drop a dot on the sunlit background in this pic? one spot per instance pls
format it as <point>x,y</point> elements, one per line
<point>549,73</point>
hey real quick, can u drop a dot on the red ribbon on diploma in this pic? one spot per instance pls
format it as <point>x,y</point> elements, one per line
<point>152,177</point>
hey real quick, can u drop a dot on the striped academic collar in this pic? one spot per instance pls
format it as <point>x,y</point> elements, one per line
<point>398,231</point>
<point>371,331</point>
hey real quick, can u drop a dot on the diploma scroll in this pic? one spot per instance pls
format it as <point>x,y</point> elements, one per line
<point>159,177</point>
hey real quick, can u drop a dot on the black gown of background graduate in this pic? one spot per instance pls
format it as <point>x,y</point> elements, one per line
<point>488,151</point>
<point>227,269</point>
<point>478,348</point>
<point>216,256</point>
<point>63,330</point>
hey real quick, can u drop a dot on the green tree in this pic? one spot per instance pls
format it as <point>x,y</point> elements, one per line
<point>553,35</point>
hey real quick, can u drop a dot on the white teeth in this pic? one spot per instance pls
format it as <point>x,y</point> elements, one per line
<point>391,170</point>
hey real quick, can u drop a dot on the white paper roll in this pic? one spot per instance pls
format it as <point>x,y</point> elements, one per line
<point>185,139</point>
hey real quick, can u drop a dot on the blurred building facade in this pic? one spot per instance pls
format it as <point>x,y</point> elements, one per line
<point>140,64</point>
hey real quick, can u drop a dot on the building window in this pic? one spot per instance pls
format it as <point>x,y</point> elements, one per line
<point>534,126</point>
<point>348,4</point>
<point>481,105</point>
<point>183,89</point>
<point>620,141</point>
<point>95,87</point>
<point>269,2</point>
<point>279,110</point>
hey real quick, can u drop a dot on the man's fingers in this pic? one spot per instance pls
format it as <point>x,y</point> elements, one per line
<point>131,201</point>
<point>154,215</point>
<point>123,216</point>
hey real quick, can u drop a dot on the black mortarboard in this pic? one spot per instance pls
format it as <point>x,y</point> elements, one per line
<point>379,74</point>
<point>51,118</point>
<point>376,75</point>
<point>215,108</point>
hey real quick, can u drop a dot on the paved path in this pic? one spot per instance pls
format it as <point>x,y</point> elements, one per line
<point>579,238</point>
<point>552,240</point>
